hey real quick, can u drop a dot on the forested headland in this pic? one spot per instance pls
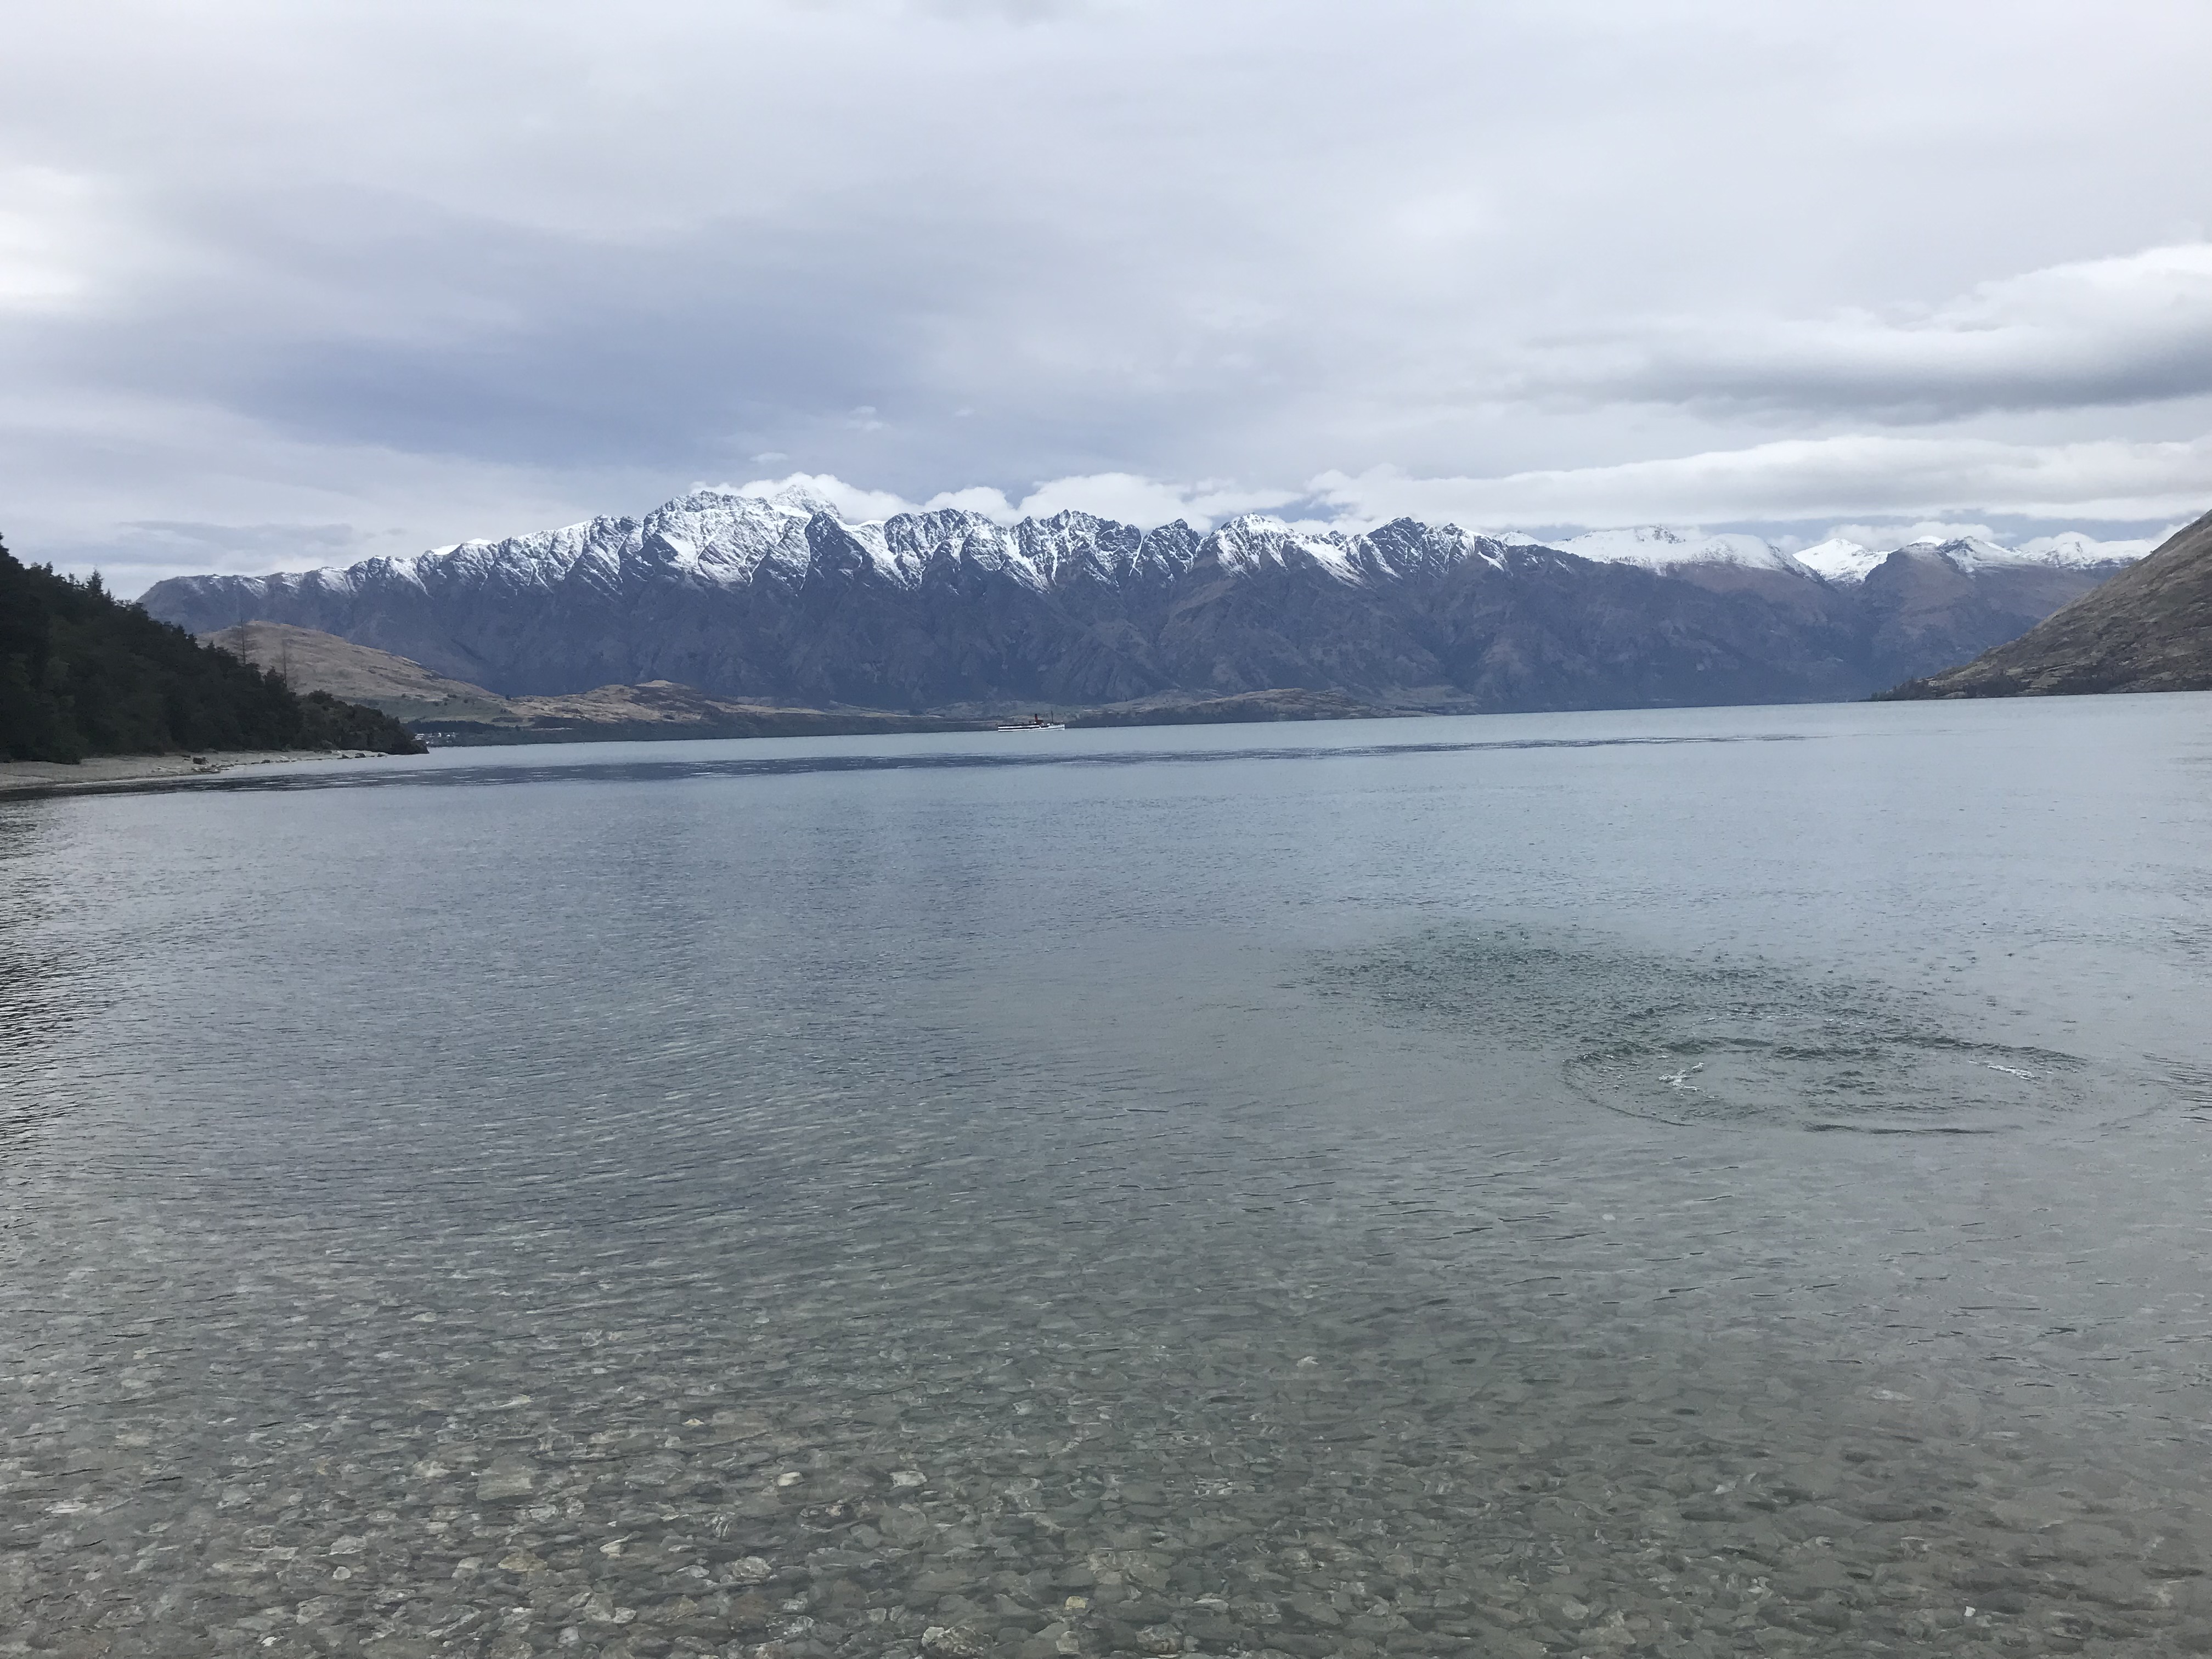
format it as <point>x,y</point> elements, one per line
<point>82,673</point>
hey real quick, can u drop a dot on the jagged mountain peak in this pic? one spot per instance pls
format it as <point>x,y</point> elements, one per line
<point>802,500</point>
<point>1965,552</point>
<point>722,534</point>
<point>778,594</point>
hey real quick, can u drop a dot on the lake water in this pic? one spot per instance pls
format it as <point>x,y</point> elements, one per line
<point>1697,1183</point>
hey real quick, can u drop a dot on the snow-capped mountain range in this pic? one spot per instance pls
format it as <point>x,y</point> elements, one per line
<point>776,596</point>
<point>1838,560</point>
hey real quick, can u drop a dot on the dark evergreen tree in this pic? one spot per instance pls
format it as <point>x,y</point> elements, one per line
<point>82,673</point>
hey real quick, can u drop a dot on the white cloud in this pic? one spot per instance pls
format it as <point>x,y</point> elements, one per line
<point>1919,483</point>
<point>855,505</point>
<point>1888,538</point>
<point>1807,478</point>
<point>1148,502</point>
<point>976,498</point>
<point>1122,496</point>
<point>143,488</point>
<point>2124,331</point>
<point>52,239</point>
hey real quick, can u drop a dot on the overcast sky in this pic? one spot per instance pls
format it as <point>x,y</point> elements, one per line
<point>284,285</point>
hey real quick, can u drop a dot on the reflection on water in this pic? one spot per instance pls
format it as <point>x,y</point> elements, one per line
<point>679,761</point>
<point>1325,1199</point>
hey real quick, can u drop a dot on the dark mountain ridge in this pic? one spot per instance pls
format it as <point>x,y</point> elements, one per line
<point>778,599</point>
<point>2149,628</point>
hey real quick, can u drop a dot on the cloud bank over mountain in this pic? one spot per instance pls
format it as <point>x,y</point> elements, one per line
<point>1799,479</point>
<point>283,285</point>
<point>2104,333</point>
<point>1805,484</point>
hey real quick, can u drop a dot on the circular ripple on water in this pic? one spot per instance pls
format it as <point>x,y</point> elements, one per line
<point>1784,1066</point>
<point>1730,1042</point>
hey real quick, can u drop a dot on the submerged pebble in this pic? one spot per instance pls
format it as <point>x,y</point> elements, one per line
<point>889,1242</point>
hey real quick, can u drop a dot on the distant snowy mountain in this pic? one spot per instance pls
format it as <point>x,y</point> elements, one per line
<point>1657,548</point>
<point>776,597</point>
<point>1839,560</point>
<point>2149,628</point>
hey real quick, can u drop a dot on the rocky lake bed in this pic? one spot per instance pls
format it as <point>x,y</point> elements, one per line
<point>937,1223</point>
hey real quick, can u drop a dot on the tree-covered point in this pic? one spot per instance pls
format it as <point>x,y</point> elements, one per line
<point>82,673</point>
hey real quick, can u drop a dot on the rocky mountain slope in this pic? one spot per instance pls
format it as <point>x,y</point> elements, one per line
<point>778,599</point>
<point>311,661</point>
<point>453,711</point>
<point>2149,628</point>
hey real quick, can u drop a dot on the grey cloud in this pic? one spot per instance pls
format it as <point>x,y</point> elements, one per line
<point>135,556</point>
<point>426,266</point>
<point>523,343</point>
<point>1803,479</point>
<point>2125,331</point>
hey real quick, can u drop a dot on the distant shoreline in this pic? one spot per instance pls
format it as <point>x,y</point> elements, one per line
<point>105,774</point>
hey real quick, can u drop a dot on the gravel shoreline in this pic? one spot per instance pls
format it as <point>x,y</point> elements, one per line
<point>102,773</point>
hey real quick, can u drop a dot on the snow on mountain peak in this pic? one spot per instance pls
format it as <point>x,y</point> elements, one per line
<point>1840,560</point>
<point>1657,547</point>
<point>1968,552</point>
<point>720,537</point>
<point>803,499</point>
<point>1971,553</point>
<point>1252,540</point>
<point>2071,549</point>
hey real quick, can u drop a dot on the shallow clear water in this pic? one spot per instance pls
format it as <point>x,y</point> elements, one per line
<point>1695,1182</point>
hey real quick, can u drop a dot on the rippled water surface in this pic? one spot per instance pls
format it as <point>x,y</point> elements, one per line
<point>1701,1182</point>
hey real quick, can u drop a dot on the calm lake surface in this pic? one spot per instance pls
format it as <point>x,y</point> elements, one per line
<point>1699,1182</point>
